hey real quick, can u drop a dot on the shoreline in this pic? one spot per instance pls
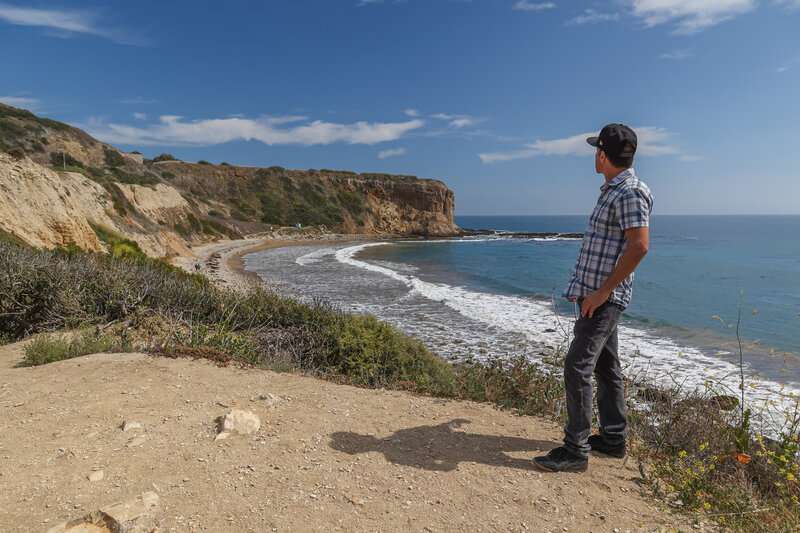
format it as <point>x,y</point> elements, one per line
<point>222,261</point>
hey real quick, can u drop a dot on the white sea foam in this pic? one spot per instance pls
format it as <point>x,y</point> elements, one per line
<point>658,360</point>
<point>314,257</point>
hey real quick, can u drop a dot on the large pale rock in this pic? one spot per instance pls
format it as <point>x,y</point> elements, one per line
<point>160,203</point>
<point>138,515</point>
<point>240,421</point>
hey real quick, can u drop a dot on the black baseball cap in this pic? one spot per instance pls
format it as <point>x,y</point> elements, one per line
<point>616,140</point>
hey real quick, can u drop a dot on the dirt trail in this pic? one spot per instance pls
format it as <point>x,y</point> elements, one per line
<point>327,457</point>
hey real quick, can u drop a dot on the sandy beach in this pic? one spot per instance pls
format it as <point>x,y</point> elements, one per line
<point>222,261</point>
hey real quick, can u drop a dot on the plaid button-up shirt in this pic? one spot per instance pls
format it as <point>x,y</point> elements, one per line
<point>625,202</point>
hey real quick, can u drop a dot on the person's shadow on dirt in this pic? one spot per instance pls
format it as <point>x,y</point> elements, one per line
<point>441,448</point>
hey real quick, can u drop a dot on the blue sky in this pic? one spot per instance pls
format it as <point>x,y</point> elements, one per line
<point>494,97</point>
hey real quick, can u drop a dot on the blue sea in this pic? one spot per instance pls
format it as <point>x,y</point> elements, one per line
<point>497,296</point>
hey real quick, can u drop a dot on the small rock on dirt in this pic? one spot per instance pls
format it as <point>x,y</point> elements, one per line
<point>240,421</point>
<point>127,426</point>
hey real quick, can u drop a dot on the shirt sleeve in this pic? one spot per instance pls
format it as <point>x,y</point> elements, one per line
<point>633,209</point>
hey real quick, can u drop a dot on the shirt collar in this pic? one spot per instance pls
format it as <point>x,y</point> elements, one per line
<point>619,178</point>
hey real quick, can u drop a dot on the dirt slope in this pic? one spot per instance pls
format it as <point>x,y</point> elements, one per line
<point>327,457</point>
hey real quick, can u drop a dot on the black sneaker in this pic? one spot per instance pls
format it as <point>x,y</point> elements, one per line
<point>561,460</point>
<point>599,444</point>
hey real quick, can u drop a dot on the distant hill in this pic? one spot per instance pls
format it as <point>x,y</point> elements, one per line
<point>165,204</point>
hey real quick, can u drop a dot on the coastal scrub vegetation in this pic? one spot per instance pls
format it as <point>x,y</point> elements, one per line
<point>698,453</point>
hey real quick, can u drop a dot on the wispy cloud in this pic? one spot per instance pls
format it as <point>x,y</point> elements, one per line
<point>793,4</point>
<point>139,116</point>
<point>174,130</point>
<point>457,121</point>
<point>411,112</point>
<point>68,22</point>
<point>383,154</point>
<point>590,16</point>
<point>652,141</point>
<point>524,5</point>
<point>778,70</point>
<point>139,100</point>
<point>690,16</point>
<point>30,104</point>
<point>690,158</point>
<point>677,54</point>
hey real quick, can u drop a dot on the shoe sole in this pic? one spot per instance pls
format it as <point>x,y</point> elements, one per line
<point>544,468</point>
<point>615,455</point>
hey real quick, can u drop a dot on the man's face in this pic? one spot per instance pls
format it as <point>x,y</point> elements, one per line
<point>599,156</point>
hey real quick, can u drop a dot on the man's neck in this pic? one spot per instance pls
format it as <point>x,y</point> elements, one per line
<point>612,173</point>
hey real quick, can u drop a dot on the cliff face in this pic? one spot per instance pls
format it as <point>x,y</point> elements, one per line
<point>419,207</point>
<point>67,178</point>
<point>48,209</point>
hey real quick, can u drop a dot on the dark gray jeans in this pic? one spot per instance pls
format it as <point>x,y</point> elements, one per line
<point>594,350</point>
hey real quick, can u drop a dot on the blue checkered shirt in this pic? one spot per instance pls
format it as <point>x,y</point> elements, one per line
<point>625,202</point>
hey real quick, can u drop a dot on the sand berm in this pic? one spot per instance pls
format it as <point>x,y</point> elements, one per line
<point>327,457</point>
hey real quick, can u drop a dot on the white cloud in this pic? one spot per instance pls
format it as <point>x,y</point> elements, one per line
<point>383,154</point>
<point>690,16</point>
<point>139,116</point>
<point>411,112</point>
<point>524,5</point>
<point>590,16</point>
<point>677,54</point>
<point>652,141</point>
<point>65,21</point>
<point>457,121</point>
<point>18,101</point>
<point>174,130</point>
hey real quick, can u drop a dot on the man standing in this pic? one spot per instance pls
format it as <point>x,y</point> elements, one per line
<point>615,242</point>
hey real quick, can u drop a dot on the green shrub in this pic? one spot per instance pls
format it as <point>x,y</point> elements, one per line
<point>113,158</point>
<point>182,230</point>
<point>339,171</point>
<point>224,164</point>
<point>43,350</point>
<point>238,215</point>
<point>147,180</point>
<point>164,157</point>
<point>8,111</point>
<point>59,159</point>
<point>215,213</point>
<point>17,153</point>
<point>353,202</point>
<point>203,162</point>
<point>193,222</point>
<point>373,352</point>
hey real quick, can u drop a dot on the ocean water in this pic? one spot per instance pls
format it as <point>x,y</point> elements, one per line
<point>495,296</point>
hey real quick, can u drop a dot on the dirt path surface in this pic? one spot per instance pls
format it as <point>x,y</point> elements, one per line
<point>327,457</point>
